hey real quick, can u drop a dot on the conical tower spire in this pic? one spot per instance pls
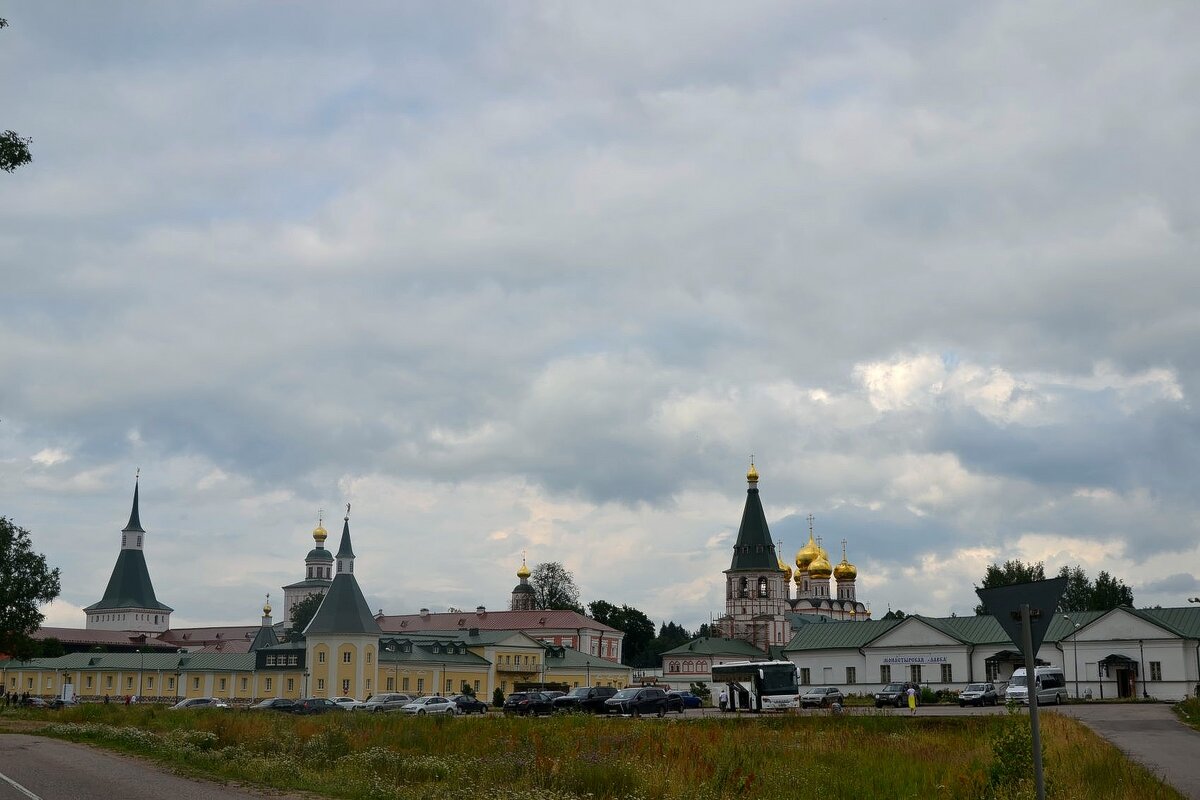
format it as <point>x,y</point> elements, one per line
<point>344,609</point>
<point>135,521</point>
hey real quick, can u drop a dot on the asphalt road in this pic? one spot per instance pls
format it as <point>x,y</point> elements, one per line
<point>35,768</point>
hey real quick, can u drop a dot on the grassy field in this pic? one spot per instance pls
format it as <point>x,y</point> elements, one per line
<point>390,756</point>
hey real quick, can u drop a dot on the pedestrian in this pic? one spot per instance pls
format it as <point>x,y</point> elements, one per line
<point>912,700</point>
<point>724,698</point>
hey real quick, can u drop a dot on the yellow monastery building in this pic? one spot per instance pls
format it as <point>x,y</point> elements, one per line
<point>346,650</point>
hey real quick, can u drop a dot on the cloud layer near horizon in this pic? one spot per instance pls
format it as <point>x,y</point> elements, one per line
<point>527,277</point>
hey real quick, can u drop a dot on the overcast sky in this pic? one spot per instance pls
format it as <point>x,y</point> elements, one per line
<point>540,277</point>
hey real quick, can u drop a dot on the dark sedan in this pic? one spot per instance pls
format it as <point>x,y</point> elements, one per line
<point>585,698</point>
<point>274,704</point>
<point>526,704</point>
<point>316,705</point>
<point>469,705</point>
<point>639,701</point>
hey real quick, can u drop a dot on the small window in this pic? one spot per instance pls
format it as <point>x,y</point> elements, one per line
<point>914,673</point>
<point>139,541</point>
<point>762,587</point>
<point>420,685</point>
<point>346,657</point>
<point>321,657</point>
<point>268,684</point>
<point>947,673</point>
<point>346,686</point>
<point>291,684</point>
<point>1156,670</point>
<point>320,684</point>
<point>805,676</point>
<point>150,682</point>
<point>245,683</point>
<point>129,683</point>
<point>89,681</point>
<point>195,683</point>
<point>124,540</point>
<point>369,654</point>
<point>449,686</point>
<point>404,684</point>
<point>170,683</point>
<point>851,675</point>
<point>885,673</point>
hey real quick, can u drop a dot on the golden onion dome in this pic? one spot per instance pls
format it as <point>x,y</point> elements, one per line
<point>267,609</point>
<point>806,554</point>
<point>845,571</point>
<point>820,567</point>
<point>523,572</point>
<point>799,579</point>
<point>752,473</point>
<point>319,533</point>
<point>785,569</point>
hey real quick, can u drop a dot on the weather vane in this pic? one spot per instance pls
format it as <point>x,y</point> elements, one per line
<point>347,511</point>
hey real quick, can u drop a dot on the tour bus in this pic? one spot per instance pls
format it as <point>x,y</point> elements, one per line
<point>758,685</point>
<point>1051,686</point>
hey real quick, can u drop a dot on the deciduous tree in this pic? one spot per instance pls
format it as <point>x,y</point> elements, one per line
<point>25,584</point>
<point>302,614</point>
<point>14,149</point>
<point>1013,571</point>
<point>554,587</point>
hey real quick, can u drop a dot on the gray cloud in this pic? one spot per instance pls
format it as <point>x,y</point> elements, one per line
<point>594,258</point>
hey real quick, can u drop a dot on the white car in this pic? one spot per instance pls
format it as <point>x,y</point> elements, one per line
<point>193,703</point>
<point>431,705</point>
<point>349,703</point>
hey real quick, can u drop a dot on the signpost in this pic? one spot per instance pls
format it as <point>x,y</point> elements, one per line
<point>1025,611</point>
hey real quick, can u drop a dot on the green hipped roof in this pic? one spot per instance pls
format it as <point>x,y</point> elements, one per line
<point>344,609</point>
<point>129,586</point>
<point>840,635</point>
<point>714,646</point>
<point>754,549</point>
<point>265,637</point>
<point>319,554</point>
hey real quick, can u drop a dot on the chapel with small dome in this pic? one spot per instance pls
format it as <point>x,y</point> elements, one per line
<point>318,572</point>
<point>760,605</point>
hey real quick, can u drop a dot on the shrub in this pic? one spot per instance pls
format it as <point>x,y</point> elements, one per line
<point>497,697</point>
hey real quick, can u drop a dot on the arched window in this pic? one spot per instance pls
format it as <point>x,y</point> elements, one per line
<point>674,666</point>
<point>687,666</point>
<point>744,588</point>
<point>762,587</point>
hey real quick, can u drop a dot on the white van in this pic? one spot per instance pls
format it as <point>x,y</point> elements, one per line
<point>1051,686</point>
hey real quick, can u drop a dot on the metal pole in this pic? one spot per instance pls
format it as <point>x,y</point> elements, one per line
<point>1075,639</point>
<point>1031,684</point>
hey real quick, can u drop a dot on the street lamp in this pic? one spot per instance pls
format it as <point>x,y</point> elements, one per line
<point>1075,639</point>
<point>141,668</point>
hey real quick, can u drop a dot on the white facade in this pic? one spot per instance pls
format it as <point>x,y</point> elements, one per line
<point>1157,663</point>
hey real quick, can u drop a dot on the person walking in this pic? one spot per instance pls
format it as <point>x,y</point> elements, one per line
<point>912,700</point>
<point>724,698</point>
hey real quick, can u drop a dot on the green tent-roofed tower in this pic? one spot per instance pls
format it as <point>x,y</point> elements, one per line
<point>342,640</point>
<point>129,603</point>
<point>755,586</point>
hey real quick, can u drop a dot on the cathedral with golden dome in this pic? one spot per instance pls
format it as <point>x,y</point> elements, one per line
<point>760,606</point>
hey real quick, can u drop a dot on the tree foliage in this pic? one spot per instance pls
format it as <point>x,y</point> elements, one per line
<point>1013,571</point>
<point>14,149</point>
<point>637,627</point>
<point>302,614</point>
<point>25,584</point>
<point>554,587</point>
<point>1081,594</point>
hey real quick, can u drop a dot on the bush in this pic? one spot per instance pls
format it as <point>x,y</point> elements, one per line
<point>497,697</point>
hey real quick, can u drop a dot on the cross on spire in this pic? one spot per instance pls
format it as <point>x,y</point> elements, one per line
<point>810,525</point>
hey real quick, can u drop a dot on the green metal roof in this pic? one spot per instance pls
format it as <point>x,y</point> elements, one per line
<point>148,662</point>
<point>265,637</point>
<point>715,646</point>
<point>754,549</point>
<point>129,586</point>
<point>840,636</point>
<point>560,657</point>
<point>344,609</point>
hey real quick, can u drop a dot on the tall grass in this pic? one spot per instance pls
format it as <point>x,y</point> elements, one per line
<point>391,757</point>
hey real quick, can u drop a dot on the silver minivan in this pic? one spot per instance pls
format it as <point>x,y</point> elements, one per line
<point>1050,682</point>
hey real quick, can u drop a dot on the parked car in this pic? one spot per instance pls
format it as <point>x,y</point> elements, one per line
<point>469,705</point>
<point>433,704</point>
<point>388,702</point>
<point>635,701</point>
<point>1050,682</point>
<point>892,695</point>
<point>554,694</point>
<point>525,704</point>
<point>35,702</point>
<point>349,703</point>
<point>194,703</point>
<point>315,705</point>
<point>585,698</point>
<point>58,702</point>
<point>689,700</point>
<point>821,697</point>
<point>978,694</point>
<point>274,704</point>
